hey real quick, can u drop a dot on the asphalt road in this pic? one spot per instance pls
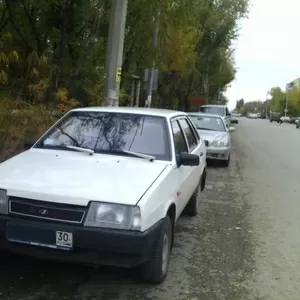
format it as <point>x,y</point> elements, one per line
<point>244,244</point>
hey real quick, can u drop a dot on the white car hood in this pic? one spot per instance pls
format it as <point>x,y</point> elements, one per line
<point>77,178</point>
<point>210,135</point>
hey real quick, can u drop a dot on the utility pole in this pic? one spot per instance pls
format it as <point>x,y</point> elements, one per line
<point>219,89</point>
<point>114,53</point>
<point>151,73</point>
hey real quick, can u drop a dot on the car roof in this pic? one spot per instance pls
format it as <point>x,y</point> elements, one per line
<point>204,114</point>
<point>167,113</point>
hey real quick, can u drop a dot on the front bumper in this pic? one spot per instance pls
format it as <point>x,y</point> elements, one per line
<point>90,245</point>
<point>218,153</point>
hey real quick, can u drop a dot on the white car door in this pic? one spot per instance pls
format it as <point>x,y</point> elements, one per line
<point>182,172</point>
<point>185,140</point>
<point>196,146</point>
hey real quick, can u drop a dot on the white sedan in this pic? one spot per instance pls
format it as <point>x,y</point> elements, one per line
<point>217,137</point>
<point>104,185</point>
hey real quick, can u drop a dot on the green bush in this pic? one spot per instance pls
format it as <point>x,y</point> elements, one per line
<point>20,122</point>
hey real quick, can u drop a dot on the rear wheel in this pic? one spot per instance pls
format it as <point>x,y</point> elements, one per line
<point>155,270</point>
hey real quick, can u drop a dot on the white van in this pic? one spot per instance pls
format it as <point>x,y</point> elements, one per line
<point>221,110</point>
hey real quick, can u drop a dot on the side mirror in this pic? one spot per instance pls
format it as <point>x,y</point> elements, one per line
<point>28,145</point>
<point>187,159</point>
<point>231,129</point>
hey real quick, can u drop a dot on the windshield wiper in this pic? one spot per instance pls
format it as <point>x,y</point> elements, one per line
<point>79,149</point>
<point>140,155</point>
<point>203,128</point>
<point>126,152</point>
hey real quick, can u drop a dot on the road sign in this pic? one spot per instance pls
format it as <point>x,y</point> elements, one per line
<point>118,75</point>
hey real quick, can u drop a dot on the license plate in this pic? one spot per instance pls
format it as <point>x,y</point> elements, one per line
<point>64,239</point>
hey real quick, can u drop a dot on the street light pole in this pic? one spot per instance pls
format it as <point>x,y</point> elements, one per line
<point>114,53</point>
<point>151,72</point>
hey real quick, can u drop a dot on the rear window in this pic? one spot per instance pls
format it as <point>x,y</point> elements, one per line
<point>215,110</point>
<point>208,123</point>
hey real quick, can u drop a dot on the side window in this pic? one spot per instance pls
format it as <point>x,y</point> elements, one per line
<point>227,111</point>
<point>188,133</point>
<point>194,130</point>
<point>179,140</point>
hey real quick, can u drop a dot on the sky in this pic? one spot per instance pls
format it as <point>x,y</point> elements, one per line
<point>267,50</point>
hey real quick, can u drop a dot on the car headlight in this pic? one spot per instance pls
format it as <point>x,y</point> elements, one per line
<point>220,143</point>
<point>115,216</point>
<point>3,202</point>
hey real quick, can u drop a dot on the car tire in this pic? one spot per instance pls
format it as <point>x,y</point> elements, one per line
<point>191,208</point>
<point>155,270</point>
<point>203,180</point>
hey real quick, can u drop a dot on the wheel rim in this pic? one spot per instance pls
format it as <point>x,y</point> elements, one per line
<point>165,252</point>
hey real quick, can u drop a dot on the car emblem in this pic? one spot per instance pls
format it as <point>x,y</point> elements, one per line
<point>43,212</point>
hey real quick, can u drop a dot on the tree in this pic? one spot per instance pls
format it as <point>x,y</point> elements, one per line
<point>278,99</point>
<point>52,52</point>
<point>239,104</point>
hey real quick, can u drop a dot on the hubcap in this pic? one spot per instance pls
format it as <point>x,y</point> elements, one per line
<point>165,252</point>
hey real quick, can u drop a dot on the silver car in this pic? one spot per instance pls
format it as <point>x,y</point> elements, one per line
<point>216,135</point>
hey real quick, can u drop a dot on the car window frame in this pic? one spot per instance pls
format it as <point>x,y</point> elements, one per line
<point>227,112</point>
<point>198,138</point>
<point>197,143</point>
<point>182,132</point>
<point>169,155</point>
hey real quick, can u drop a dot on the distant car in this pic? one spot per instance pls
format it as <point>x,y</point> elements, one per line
<point>220,110</point>
<point>293,120</point>
<point>252,115</point>
<point>275,116</point>
<point>285,119</point>
<point>104,185</point>
<point>234,118</point>
<point>297,122</point>
<point>213,130</point>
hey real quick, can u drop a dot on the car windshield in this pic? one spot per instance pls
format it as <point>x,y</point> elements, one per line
<point>215,110</point>
<point>208,123</point>
<point>110,133</point>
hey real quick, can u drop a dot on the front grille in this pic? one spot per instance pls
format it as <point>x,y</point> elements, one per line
<point>46,210</point>
<point>206,143</point>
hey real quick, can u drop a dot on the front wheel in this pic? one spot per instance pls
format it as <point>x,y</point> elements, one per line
<point>155,270</point>
<point>191,208</point>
